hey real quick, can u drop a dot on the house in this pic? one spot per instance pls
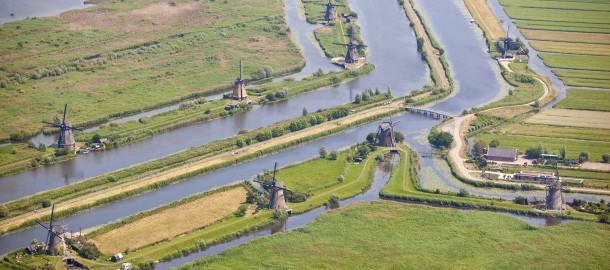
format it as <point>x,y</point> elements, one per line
<point>535,176</point>
<point>501,154</point>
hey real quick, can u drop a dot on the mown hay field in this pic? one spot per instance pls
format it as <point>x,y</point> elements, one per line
<point>582,99</point>
<point>571,48</point>
<point>489,22</point>
<point>577,133</point>
<point>571,118</point>
<point>172,222</point>
<point>392,235</point>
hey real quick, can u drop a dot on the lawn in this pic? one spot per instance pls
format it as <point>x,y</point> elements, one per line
<point>582,99</point>
<point>568,61</point>
<point>594,148</point>
<point>313,174</point>
<point>122,56</point>
<point>392,235</point>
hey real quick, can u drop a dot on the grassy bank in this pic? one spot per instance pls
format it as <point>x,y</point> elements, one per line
<point>365,235</point>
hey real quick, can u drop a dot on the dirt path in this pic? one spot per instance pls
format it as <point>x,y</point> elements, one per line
<point>224,157</point>
<point>428,48</point>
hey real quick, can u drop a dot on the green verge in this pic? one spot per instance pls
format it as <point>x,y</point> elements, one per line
<point>583,99</point>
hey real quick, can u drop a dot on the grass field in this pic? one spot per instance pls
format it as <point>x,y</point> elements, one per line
<point>567,73</point>
<point>486,19</point>
<point>564,26</point>
<point>171,222</point>
<point>313,174</point>
<point>577,133</point>
<point>595,148</point>
<point>582,99</point>
<point>571,48</point>
<point>595,5</point>
<point>571,118</point>
<point>102,59</point>
<point>557,14</point>
<point>582,82</point>
<point>544,35</point>
<point>391,235</point>
<point>568,61</point>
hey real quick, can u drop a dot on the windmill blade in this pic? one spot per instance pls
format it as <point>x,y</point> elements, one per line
<point>65,110</point>
<point>342,44</point>
<point>50,231</point>
<point>274,169</point>
<point>52,124</point>
<point>395,123</point>
<point>74,128</point>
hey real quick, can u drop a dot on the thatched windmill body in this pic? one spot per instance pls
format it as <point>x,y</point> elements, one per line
<point>554,193</point>
<point>277,189</point>
<point>55,240</point>
<point>385,134</point>
<point>66,134</point>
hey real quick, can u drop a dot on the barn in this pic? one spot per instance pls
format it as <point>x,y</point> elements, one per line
<point>501,154</point>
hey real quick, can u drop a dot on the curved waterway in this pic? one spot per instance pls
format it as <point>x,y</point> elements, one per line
<point>391,47</point>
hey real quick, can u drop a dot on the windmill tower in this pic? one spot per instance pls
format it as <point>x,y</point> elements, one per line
<point>277,199</point>
<point>331,11</point>
<point>239,85</point>
<point>385,134</point>
<point>554,193</point>
<point>351,56</point>
<point>506,45</point>
<point>55,239</point>
<point>66,134</point>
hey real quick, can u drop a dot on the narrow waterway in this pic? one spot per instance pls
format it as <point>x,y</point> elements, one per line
<point>535,62</point>
<point>397,61</point>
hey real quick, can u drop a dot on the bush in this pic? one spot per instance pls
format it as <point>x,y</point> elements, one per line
<point>89,251</point>
<point>440,139</point>
<point>606,158</point>
<point>521,200</point>
<point>583,156</point>
<point>45,203</point>
<point>241,211</point>
<point>341,178</point>
<point>334,199</point>
<point>280,214</point>
<point>323,152</point>
<point>399,137</point>
<point>61,152</point>
<point>463,193</point>
<point>4,212</point>
<point>333,155</point>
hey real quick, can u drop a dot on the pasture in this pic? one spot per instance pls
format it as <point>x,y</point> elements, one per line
<point>577,133</point>
<point>571,118</point>
<point>125,56</point>
<point>582,99</point>
<point>392,235</point>
<point>595,38</point>
<point>582,82</point>
<point>172,221</point>
<point>313,174</point>
<point>571,48</point>
<point>569,61</point>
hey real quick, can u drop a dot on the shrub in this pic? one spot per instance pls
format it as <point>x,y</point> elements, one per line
<point>463,193</point>
<point>334,199</point>
<point>583,156</point>
<point>440,139</point>
<point>341,178</point>
<point>241,211</point>
<point>606,158</point>
<point>323,152</point>
<point>521,200</point>
<point>333,155</point>
<point>89,251</point>
<point>280,214</point>
<point>4,212</point>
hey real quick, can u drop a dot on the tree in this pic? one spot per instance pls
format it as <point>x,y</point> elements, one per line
<point>479,148</point>
<point>42,147</point>
<point>371,138</point>
<point>494,144</point>
<point>389,92</point>
<point>583,156</point>
<point>89,251</point>
<point>606,158</point>
<point>440,139</point>
<point>333,155</point>
<point>358,99</point>
<point>341,178</point>
<point>323,152</point>
<point>463,193</point>
<point>563,152</point>
<point>31,144</point>
<point>399,137</point>
<point>96,138</point>
<point>305,112</point>
<point>4,212</point>
<point>520,200</point>
<point>533,152</point>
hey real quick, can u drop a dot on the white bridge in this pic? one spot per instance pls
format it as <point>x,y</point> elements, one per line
<point>430,112</point>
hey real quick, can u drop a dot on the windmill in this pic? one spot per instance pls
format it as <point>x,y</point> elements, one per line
<point>506,45</point>
<point>554,193</point>
<point>66,135</point>
<point>239,85</point>
<point>277,199</point>
<point>331,11</point>
<point>385,134</point>
<point>351,56</point>
<point>55,240</point>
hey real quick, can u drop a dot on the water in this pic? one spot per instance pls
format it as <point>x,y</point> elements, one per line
<point>21,9</point>
<point>397,64</point>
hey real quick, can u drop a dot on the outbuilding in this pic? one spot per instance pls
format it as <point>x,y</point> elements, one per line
<point>502,154</point>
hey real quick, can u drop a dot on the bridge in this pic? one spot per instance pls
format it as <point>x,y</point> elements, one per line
<point>430,112</point>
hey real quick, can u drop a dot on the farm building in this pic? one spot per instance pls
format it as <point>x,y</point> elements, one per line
<point>535,176</point>
<point>501,154</point>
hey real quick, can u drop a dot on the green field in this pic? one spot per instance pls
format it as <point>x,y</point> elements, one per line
<point>557,15</point>
<point>568,61</point>
<point>391,235</point>
<point>595,148</point>
<point>591,5</point>
<point>582,99</point>
<point>581,82</point>
<point>124,56</point>
<point>577,133</point>
<point>313,174</point>
<point>568,73</point>
<point>571,48</point>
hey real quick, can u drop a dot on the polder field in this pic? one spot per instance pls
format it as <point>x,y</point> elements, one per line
<point>391,235</point>
<point>573,37</point>
<point>124,56</point>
